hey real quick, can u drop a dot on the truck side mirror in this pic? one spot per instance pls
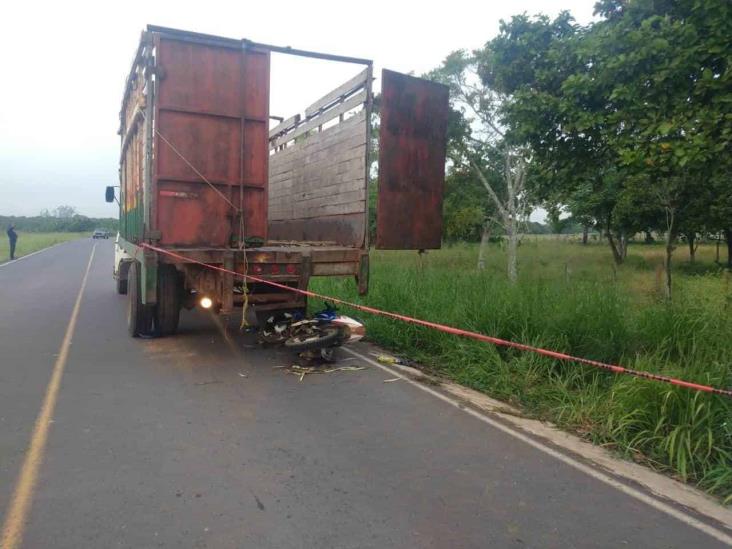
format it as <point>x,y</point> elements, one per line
<point>109,194</point>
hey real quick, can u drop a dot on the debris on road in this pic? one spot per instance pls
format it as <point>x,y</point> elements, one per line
<point>388,359</point>
<point>302,371</point>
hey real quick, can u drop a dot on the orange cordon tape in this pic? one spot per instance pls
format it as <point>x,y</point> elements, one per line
<point>459,332</point>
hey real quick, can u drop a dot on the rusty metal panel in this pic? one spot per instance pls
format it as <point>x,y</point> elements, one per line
<point>211,112</point>
<point>199,78</point>
<point>211,144</point>
<point>192,214</point>
<point>412,148</point>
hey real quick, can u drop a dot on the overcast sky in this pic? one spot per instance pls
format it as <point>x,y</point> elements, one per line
<point>64,66</point>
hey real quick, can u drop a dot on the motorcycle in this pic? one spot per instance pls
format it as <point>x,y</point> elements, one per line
<point>326,331</point>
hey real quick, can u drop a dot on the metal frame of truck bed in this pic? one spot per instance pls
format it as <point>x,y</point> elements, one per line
<point>289,260</point>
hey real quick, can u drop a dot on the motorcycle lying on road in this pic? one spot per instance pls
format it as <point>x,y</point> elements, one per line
<point>320,335</point>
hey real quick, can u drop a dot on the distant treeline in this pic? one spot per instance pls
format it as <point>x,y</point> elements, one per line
<point>51,224</point>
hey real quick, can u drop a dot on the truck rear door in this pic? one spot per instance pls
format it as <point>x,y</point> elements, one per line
<point>412,149</point>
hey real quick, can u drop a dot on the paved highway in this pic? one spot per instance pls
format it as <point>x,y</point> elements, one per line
<point>202,441</point>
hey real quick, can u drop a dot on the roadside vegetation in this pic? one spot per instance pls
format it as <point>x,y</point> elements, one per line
<point>622,125</point>
<point>620,128</point>
<point>32,242</point>
<point>59,220</point>
<point>573,298</point>
<point>50,227</point>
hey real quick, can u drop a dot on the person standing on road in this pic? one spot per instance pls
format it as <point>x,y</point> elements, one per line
<point>13,238</point>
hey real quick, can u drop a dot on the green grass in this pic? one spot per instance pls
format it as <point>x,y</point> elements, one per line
<point>32,242</point>
<point>571,298</point>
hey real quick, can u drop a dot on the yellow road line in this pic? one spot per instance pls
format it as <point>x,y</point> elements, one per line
<point>20,505</point>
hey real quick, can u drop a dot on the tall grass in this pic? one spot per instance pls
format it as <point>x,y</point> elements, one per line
<point>570,298</point>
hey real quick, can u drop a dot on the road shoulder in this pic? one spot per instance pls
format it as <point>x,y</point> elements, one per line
<point>668,495</point>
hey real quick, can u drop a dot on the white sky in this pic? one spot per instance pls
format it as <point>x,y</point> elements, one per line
<point>64,66</point>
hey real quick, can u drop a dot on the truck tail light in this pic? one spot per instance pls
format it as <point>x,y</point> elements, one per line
<point>257,269</point>
<point>290,269</point>
<point>275,269</point>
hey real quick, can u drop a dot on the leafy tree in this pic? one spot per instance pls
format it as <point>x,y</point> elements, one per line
<point>46,223</point>
<point>65,212</point>
<point>535,60</point>
<point>628,118</point>
<point>479,145</point>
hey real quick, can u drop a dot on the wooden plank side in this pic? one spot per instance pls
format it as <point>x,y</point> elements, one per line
<point>342,108</point>
<point>333,134</point>
<point>349,229</point>
<point>340,168</point>
<point>337,169</point>
<point>284,126</point>
<point>353,84</point>
<point>317,185</point>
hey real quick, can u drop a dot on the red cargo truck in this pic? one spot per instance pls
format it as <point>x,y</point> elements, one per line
<point>204,178</point>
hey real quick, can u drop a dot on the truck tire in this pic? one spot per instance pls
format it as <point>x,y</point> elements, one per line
<point>139,316</point>
<point>121,282</point>
<point>167,312</point>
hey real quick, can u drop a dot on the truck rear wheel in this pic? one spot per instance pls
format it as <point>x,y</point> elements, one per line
<point>139,316</point>
<point>121,286</point>
<point>167,312</point>
<point>121,282</point>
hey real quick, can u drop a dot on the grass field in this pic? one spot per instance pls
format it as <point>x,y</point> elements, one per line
<point>32,242</point>
<point>571,298</point>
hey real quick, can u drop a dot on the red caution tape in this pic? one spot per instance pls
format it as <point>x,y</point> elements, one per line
<point>459,332</point>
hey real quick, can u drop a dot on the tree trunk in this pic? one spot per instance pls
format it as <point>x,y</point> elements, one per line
<point>484,239</point>
<point>728,237</point>
<point>617,256</point>
<point>623,242</point>
<point>692,248</point>
<point>667,265</point>
<point>509,210</point>
<point>670,241</point>
<point>512,250</point>
<point>585,233</point>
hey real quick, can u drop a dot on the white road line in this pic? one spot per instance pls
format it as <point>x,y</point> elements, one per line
<point>594,473</point>
<point>21,258</point>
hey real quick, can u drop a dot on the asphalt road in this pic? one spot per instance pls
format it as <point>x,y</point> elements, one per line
<point>196,441</point>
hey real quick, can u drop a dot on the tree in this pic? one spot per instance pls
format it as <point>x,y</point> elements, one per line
<point>499,165</point>
<point>667,64</point>
<point>533,59</point>
<point>64,212</point>
<point>465,209</point>
<point>631,112</point>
